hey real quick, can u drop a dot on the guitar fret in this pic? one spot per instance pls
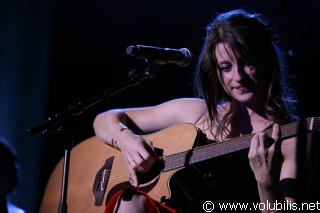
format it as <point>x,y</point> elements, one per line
<point>217,149</point>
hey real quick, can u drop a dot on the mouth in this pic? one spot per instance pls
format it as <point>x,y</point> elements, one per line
<point>241,88</point>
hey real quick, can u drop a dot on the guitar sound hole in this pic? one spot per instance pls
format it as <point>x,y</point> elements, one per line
<point>150,176</point>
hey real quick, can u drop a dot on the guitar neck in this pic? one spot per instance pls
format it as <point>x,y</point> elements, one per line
<point>209,151</point>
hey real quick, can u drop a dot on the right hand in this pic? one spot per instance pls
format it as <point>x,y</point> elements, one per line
<point>138,153</point>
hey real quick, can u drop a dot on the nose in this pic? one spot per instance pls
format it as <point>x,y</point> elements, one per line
<point>238,73</point>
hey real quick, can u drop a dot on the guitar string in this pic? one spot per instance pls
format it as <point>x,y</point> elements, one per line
<point>226,147</point>
<point>177,160</point>
<point>123,174</point>
<point>201,153</point>
<point>206,152</point>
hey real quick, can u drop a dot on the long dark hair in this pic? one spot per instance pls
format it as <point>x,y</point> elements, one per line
<point>250,39</point>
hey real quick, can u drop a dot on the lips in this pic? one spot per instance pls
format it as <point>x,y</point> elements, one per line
<point>240,88</point>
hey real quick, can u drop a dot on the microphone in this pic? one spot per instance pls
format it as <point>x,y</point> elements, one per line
<point>181,57</point>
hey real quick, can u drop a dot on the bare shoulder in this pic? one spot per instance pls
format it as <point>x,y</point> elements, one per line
<point>188,102</point>
<point>167,114</point>
<point>190,109</point>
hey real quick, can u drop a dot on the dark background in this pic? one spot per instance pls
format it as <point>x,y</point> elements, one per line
<point>55,54</point>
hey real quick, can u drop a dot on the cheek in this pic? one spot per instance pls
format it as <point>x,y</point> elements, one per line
<point>221,78</point>
<point>224,79</point>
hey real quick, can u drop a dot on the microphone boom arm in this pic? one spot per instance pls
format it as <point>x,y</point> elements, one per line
<point>52,124</point>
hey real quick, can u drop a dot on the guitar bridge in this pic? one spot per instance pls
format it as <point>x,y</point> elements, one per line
<point>101,181</point>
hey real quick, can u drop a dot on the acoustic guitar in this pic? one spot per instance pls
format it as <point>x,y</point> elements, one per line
<point>97,170</point>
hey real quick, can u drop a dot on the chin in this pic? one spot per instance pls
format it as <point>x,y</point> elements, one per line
<point>246,98</point>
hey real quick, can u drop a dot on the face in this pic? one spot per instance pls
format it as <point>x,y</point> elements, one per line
<point>242,81</point>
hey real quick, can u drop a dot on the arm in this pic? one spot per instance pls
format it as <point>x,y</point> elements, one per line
<point>277,172</point>
<point>147,119</point>
<point>114,128</point>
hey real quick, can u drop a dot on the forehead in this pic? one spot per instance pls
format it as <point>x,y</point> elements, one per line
<point>224,53</point>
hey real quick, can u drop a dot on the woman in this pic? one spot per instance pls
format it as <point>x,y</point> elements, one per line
<point>241,86</point>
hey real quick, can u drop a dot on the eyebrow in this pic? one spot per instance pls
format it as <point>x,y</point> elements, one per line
<point>224,62</point>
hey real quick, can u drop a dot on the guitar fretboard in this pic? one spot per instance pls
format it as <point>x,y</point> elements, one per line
<point>209,151</point>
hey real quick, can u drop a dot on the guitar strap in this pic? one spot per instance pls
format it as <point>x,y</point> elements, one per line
<point>152,206</point>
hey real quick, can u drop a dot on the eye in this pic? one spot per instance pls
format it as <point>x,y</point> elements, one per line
<point>225,68</point>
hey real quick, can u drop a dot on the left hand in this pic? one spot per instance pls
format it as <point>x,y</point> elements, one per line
<point>265,158</point>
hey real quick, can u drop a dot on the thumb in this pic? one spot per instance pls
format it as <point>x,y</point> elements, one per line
<point>133,178</point>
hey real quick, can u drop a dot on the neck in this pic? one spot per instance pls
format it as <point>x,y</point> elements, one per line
<point>253,111</point>
<point>247,119</point>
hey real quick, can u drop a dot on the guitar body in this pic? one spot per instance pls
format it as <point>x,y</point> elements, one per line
<point>226,178</point>
<point>89,156</point>
<point>192,171</point>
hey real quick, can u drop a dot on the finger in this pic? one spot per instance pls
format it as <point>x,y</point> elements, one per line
<point>131,160</point>
<point>255,142</point>
<point>131,166</point>
<point>276,136</point>
<point>133,178</point>
<point>136,164</point>
<point>253,146</point>
<point>151,150</point>
<point>276,132</point>
<point>263,142</point>
<point>132,163</point>
<point>148,154</point>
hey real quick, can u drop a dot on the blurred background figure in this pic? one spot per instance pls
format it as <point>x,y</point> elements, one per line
<point>9,176</point>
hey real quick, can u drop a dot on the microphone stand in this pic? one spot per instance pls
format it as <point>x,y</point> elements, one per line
<point>55,124</point>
